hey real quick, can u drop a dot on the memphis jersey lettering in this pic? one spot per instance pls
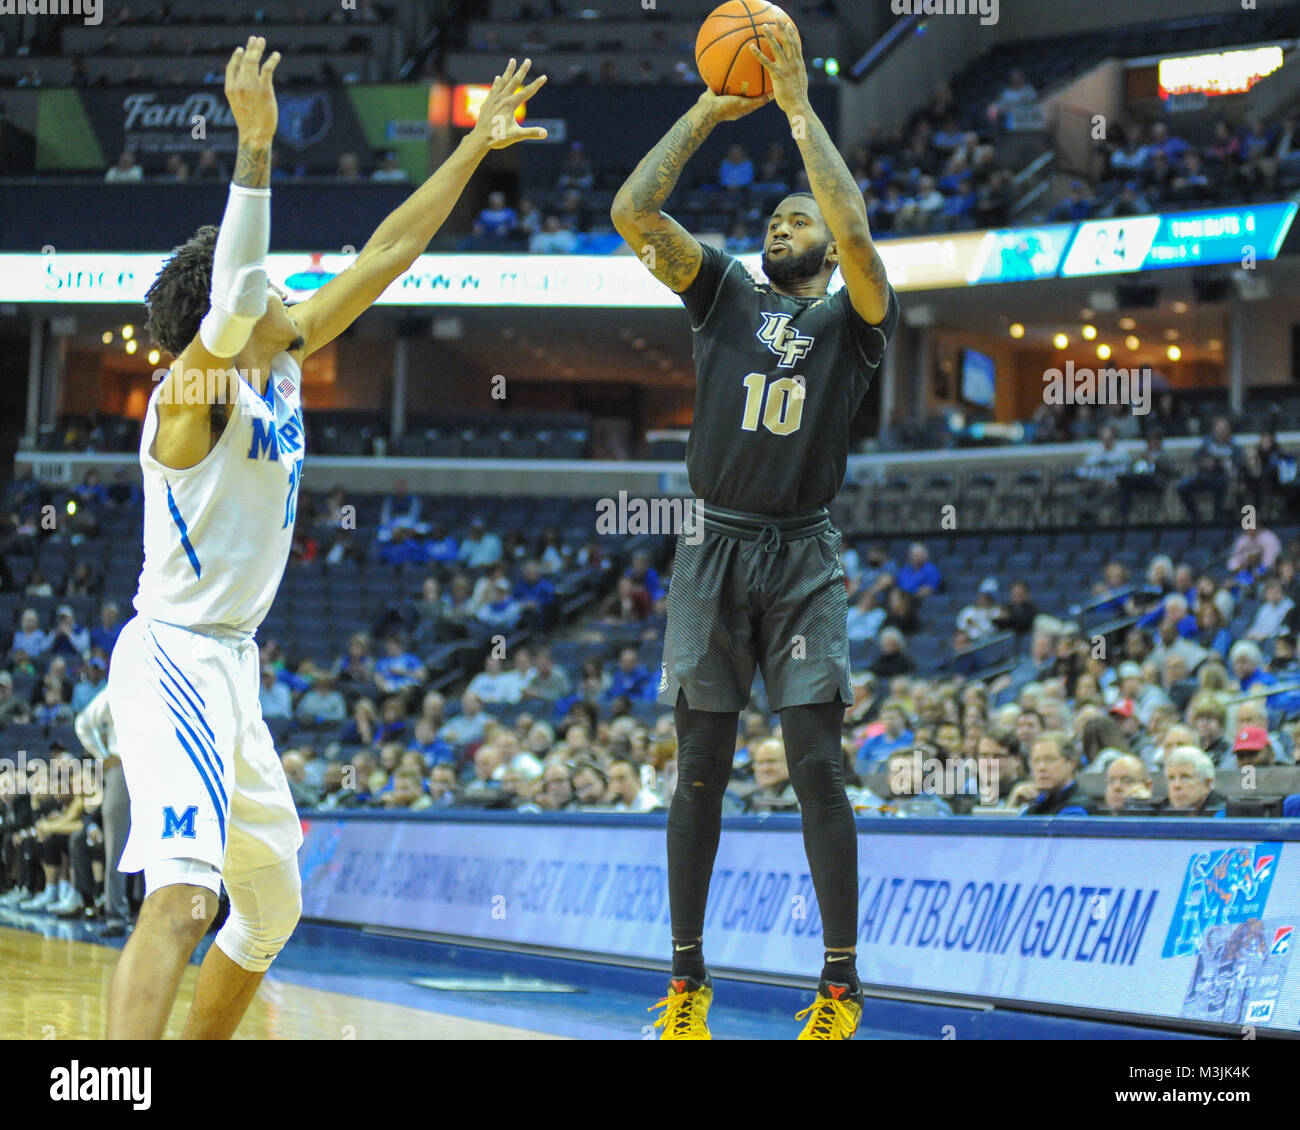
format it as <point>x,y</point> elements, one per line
<point>217,535</point>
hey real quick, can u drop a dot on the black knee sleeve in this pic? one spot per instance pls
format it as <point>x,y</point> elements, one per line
<point>813,754</point>
<point>706,743</point>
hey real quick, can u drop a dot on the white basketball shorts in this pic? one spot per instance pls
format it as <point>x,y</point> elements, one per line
<point>200,763</point>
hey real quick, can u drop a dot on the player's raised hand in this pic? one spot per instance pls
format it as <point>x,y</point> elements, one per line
<point>250,93</point>
<point>497,127</point>
<point>785,68</point>
<point>729,107</point>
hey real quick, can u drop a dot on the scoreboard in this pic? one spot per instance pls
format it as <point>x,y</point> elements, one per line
<point>1180,239</point>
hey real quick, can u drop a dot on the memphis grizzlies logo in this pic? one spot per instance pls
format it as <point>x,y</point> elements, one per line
<point>182,826</point>
<point>788,344</point>
<point>305,119</point>
<point>1220,888</point>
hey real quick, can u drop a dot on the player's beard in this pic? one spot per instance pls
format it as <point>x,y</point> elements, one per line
<point>792,268</point>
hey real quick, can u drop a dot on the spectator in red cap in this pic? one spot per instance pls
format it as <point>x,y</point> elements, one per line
<point>1124,711</point>
<point>1251,746</point>
<point>1253,712</point>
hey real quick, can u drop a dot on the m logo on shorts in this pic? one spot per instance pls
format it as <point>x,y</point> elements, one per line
<point>184,825</point>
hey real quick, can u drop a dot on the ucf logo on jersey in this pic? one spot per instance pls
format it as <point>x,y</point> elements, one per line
<point>788,344</point>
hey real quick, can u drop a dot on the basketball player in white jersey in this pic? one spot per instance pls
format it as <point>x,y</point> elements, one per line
<point>222,455</point>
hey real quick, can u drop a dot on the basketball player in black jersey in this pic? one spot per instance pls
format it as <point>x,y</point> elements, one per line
<point>780,371</point>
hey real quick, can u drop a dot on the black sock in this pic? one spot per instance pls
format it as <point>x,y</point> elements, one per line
<point>688,960</point>
<point>840,969</point>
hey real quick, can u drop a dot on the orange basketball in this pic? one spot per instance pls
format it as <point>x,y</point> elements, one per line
<point>722,48</point>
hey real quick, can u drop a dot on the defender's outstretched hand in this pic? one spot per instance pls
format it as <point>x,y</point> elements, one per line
<point>496,126</point>
<point>786,68</point>
<point>250,93</point>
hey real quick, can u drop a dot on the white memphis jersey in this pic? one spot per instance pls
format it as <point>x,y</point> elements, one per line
<point>217,535</point>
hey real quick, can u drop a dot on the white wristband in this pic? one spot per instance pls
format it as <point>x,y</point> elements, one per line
<point>239,282</point>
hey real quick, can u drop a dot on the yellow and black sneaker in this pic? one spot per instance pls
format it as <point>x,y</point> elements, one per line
<point>685,1009</point>
<point>834,1014</point>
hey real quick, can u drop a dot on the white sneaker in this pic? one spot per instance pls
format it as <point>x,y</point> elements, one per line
<point>14,897</point>
<point>67,907</point>
<point>42,901</point>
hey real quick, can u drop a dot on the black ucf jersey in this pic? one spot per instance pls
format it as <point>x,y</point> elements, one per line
<point>778,381</point>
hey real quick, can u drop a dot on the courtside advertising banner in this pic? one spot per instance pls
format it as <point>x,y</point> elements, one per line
<point>1176,928</point>
<point>433,280</point>
<point>914,264</point>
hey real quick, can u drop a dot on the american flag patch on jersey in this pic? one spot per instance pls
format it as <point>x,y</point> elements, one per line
<point>285,387</point>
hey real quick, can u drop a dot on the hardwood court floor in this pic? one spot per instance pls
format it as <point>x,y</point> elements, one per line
<point>54,988</point>
<point>337,983</point>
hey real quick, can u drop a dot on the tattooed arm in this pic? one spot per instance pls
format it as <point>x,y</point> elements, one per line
<point>667,249</point>
<point>253,164</point>
<point>836,192</point>
<point>845,213</point>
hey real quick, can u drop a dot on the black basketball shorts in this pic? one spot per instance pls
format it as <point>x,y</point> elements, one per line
<point>751,589</point>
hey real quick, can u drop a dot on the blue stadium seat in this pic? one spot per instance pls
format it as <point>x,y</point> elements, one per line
<point>29,736</point>
<point>66,736</point>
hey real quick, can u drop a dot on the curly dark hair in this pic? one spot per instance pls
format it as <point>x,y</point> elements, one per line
<point>179,297</point>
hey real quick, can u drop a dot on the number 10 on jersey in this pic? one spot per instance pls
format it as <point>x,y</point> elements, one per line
<point>778,404</point>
